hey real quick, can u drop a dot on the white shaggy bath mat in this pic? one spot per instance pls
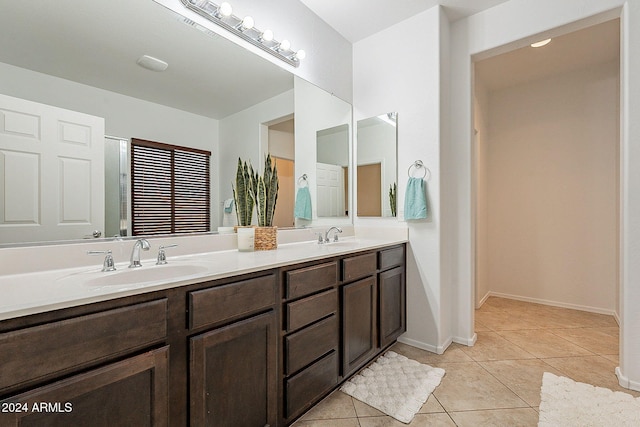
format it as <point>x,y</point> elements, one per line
<point>395,385</point>
<point>569,403</point>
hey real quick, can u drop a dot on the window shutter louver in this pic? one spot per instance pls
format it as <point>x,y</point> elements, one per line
<point>170,189</point>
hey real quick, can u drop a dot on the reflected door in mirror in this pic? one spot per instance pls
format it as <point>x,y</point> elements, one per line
<point>51,172</point>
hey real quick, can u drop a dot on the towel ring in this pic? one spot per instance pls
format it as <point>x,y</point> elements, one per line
<point>303,179</point>
<point>419,165</point>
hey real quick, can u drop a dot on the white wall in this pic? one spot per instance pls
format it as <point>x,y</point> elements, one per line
<point>245,135</point>
<point>480,145</point>
<point>552,193</point>
<point>390,74</point>
<point>515,24</point>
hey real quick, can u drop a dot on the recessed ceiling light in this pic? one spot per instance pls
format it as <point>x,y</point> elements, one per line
<point>151,63</point>
<point>541,43</point>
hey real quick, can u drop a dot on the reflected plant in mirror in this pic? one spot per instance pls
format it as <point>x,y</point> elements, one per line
<point>377,166</point>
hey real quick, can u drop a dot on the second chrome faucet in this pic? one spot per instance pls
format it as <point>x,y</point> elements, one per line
<point>140,244</point>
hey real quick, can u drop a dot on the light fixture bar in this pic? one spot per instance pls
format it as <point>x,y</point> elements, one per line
<point>233,24</point>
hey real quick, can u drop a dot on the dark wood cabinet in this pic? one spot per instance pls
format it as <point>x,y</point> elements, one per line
<point>392,308</point>
<point>253,350</point>
<point>359,310</point>
<point>132,392</point>
<point>232,374</point>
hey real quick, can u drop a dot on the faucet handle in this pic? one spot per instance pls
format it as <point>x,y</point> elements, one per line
<point>162,256</point>
<point>320,238</point>
<point>108,264</point>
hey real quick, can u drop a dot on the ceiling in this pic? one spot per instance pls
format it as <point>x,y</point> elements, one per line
<point>358,19</point>
<point>580,49</point>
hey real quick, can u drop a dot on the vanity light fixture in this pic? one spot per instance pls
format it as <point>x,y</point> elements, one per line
<point>541,43</point>
<point>244,28</point>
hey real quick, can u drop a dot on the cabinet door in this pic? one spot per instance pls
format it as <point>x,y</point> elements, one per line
<point>392,295</point>
<point>358,323</point>
<point>233,374</point>
<point>132,392</point>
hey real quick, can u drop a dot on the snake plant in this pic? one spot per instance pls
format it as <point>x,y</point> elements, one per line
<point>267,193</point>
<point>393,194</point>
<point>244,192</point>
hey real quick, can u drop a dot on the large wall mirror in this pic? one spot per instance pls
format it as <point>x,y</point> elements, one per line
<point>214,96</point>
<point>377,169</point>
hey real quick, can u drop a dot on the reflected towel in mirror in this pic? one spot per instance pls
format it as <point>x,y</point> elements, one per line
<point>302,208</point>
<point>415,200</point>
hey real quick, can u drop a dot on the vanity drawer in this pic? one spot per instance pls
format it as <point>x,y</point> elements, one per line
<point>359,266</point>
<point>304,389</point>
<point>307,345</point>
<point>391,257</point>
<point>214,305</point>
<point>58,348</point>
<point>308,280</point>
<point>305,311</point>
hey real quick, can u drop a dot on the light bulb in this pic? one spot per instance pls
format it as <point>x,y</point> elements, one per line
<point>284,45</point>
<point>301,54</point>
<point>225,9</point>
<point>267,36</point>
<point>247,23</point>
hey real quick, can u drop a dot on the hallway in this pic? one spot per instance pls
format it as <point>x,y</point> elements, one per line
<point>497,381</point>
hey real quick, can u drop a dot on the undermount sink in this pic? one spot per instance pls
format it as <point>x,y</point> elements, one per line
<point>145,274</point>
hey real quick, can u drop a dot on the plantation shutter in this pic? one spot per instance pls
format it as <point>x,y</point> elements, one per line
<point>170,189</point>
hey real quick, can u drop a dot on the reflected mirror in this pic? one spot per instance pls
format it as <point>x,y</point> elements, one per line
<point>323,121</point>
<point>377,166</point>
<point>81,56</point>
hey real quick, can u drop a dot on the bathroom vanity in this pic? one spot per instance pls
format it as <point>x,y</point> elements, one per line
<point>252,349</point>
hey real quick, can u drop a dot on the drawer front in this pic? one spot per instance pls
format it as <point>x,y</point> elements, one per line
<point>41,352</point>
<point>359,266</point>
<point>308,280</point>
<point>214,305</point>
<point>304,389</point>
<point>391,258</point>
<point>307,345</point>
<point>305,311</point>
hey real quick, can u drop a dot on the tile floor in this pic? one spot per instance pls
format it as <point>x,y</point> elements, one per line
<point>497,381</point>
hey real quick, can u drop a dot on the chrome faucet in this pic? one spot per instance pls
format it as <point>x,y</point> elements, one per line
<point>135,253</point>
<point>335,235</point>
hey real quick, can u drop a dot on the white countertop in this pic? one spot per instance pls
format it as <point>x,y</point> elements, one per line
<point>38,292</point>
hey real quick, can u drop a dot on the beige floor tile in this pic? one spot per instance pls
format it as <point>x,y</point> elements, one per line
<point>523,377</point>
<point>544,343</point>
<point>522,417</point>
<point>468,386</point>
<point>344,422</point>
<point>336,405</point>
<point>506,304</point>
<point>431,406</point>
<point>491,346</point>
<point>480,327</point>
<point>504,321</point>
<point>420,420</point>
<point>597,340</point>
<point>454,353</point>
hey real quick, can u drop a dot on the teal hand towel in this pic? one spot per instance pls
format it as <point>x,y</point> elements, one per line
<point>415,199</point>
<point>302,208</point>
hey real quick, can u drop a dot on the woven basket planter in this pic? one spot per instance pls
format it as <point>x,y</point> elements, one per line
<point>266,238</point>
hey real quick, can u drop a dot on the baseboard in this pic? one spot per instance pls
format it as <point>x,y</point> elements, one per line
<point>469,342</point>
<point>554,303</point>
<point>626,382</point>
<point>616,316</point>
<point>424,346</point>
<point>483,300</point>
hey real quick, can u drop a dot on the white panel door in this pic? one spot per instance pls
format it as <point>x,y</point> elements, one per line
<point>51,172</point>
<point>330,190</point>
